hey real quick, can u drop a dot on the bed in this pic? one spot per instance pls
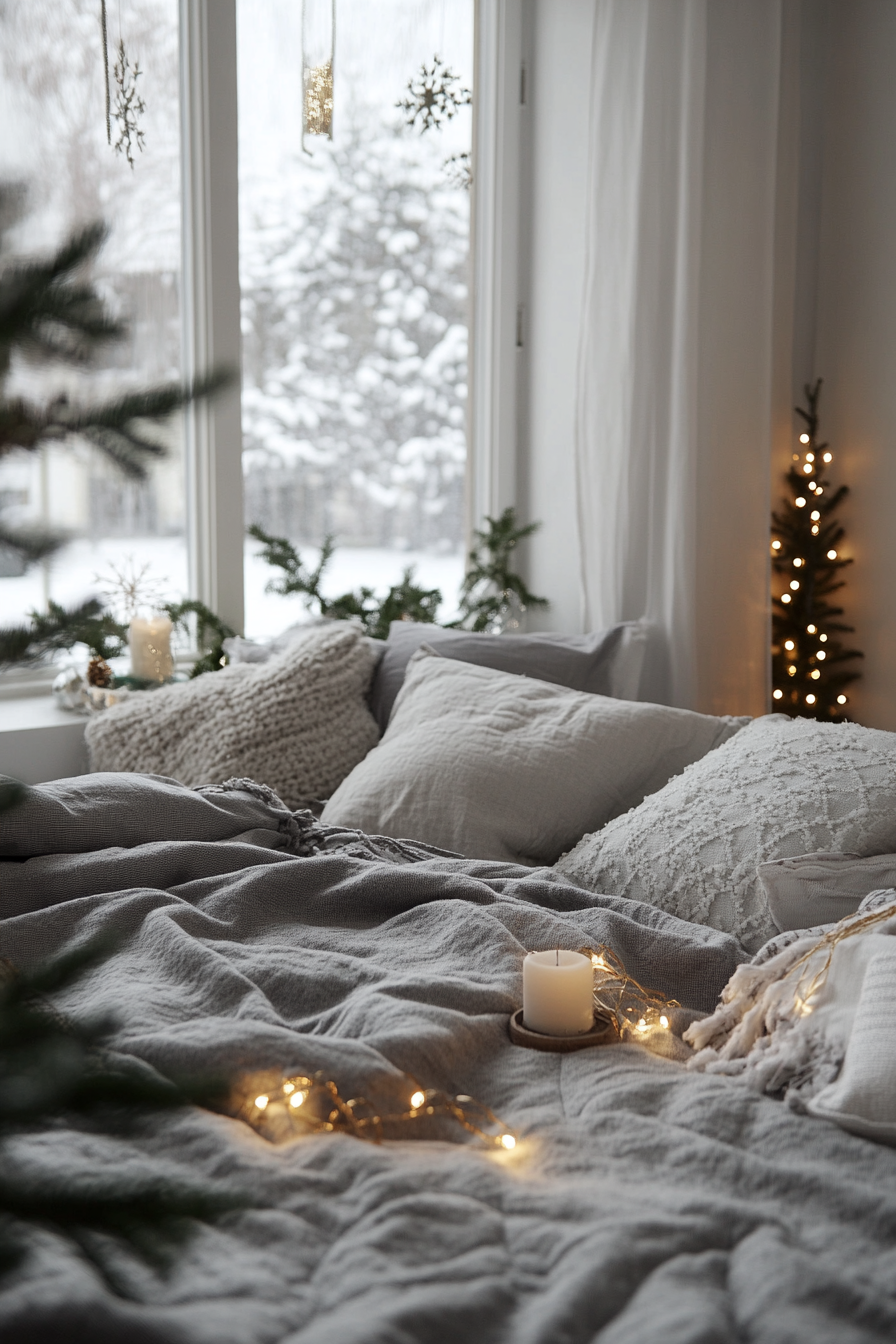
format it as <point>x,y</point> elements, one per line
<point>642,1200</point>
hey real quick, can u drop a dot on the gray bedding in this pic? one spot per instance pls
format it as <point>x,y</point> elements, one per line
<point>644,1202</point>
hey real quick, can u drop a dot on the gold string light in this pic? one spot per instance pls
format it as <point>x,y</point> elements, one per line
<point>634,1010</point>
<point>282,1107</point>
<point>809,985</point>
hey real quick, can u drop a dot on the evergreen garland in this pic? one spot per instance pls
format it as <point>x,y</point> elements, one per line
<point>810,669</point>
<point>489,587</point>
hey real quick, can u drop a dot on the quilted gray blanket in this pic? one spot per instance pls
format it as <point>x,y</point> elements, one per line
<point>643,1202</point>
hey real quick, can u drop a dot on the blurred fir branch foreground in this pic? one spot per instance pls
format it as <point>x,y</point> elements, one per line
<point>54,1075</point>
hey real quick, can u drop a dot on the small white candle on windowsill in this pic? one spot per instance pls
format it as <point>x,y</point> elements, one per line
<point>149,638</point>
<point>558,993</point>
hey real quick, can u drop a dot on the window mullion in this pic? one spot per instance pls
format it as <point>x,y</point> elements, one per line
<point>211,301</point>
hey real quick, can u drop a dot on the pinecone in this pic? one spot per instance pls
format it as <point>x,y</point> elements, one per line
<point>99,673</point>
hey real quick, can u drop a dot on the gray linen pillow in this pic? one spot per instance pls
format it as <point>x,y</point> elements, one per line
<point>783,787</point>
<point>298,722</point>
<point>497,766</point>
<point>606,663</point>
<point>822,888</point>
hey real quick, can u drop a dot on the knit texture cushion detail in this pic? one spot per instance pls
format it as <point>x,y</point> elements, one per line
<point>778,789</point>
<point>298,723</point>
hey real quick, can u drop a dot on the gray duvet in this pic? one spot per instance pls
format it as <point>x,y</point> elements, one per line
<point>644,1202</point>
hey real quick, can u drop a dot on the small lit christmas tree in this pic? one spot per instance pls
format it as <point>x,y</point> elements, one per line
<point>809,661</point>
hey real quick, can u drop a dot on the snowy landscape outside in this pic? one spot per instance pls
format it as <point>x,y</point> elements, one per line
<point>354,262</point>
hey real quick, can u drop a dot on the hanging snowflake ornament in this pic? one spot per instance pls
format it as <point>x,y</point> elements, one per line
<point>459,170</point>
<point>129,106</point>
<point>435,95</point>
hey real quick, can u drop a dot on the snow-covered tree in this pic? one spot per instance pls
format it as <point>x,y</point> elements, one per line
<point>355,348</point>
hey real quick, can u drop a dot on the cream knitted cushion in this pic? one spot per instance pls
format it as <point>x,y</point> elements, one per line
<point>298,723</point>
<point>779,788</point>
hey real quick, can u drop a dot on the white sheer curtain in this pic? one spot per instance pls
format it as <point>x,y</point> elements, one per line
<point>676,343</point>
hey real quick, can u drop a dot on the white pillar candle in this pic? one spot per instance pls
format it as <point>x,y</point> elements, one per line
<point>150,644</point>
<point>557,993</point>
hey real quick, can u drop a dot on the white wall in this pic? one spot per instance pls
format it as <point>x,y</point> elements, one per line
<point>855,347</point>
<point>834,315</point>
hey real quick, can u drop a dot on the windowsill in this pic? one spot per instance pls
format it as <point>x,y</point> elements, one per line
<point>39,741</point>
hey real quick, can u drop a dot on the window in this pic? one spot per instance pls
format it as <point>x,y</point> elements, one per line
<point>354,265</point>
<point>354,277</point>
<point>54,144</point>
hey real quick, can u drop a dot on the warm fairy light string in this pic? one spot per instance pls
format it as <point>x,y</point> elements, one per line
<point>291,1106</point>
<point>809,985</point>
<point>630,1007</point>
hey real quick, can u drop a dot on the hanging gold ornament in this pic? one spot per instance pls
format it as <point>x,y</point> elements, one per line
<point>318,48</point>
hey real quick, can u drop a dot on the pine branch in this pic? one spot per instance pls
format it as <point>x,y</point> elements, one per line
<point>51,1070</point>
<point>115,427</point>
<point>404,601</point>
<point>211,632</point>
<point>490,580</point>
<point>60,628</point>
<point>48,314</point>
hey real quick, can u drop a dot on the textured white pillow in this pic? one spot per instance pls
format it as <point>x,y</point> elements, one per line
<point>298,723</point>
<point>498,766</point>
<point>781,788</point>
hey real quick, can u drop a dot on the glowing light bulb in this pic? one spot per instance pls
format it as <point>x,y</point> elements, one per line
<point>815,515</point>
<point>800,502</point>
<point>832,555</point>
<point>262,1101</point>
<point>776,545</point>
<point>664,1021</point>
<point>815,529</point>
<point>811,629</point>
<point>508,1141</point>
<point>821,655</point>
<point>812,485</point>
<point>815,674</point>
<point>808,468</point>
<point>297,1099</point>
<point>827,457</point>
<point>289,1087</point>
<point>785,598</point>
<point>778,695</point>
<point>789,644</point>
<point>804,438</point>
<point>794,585</point>
<point>796,457</point>
<point>810,699</point>
<point>797,562</point>
<point>841,699</point>
<point>417,1099</point>
<point>642,1024</point>
<point>823,638</point>
<point>791,671</point>
<point>819,490</point>
<point>810,457</point>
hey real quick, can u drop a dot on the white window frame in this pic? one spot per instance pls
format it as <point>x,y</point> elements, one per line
<point>497,317</point>
<point>211,281</point>
<point>211,302</point>
<point>210,291</point>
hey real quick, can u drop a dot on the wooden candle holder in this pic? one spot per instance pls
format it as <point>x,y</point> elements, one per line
<point>602,1033</point>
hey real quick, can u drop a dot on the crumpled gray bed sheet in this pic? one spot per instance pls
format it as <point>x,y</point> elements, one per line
<point>644,1202</point>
